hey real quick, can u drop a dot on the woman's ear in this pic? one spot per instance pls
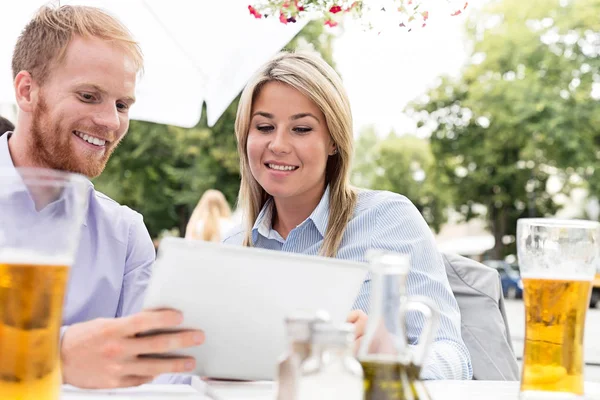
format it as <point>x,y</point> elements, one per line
<point>333,149</point>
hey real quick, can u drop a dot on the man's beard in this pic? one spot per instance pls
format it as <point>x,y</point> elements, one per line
<point>52,149</point>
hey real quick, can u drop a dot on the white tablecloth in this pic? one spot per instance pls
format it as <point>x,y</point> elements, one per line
<point>220,390</point>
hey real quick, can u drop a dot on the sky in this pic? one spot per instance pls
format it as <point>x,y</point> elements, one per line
<point>383,72</point>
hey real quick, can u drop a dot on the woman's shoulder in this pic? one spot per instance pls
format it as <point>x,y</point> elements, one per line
<point>379,201</point>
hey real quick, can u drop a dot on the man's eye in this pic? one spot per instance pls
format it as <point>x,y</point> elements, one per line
<point>87,96</point>
<point>122,106</point>
<point>265,128</point>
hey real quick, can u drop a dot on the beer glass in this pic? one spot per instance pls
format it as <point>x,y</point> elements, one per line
<point>558,261</point>
<point>41,214</point>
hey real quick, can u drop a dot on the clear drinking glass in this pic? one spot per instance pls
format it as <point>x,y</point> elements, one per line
<point>558,261</point>
<point>41,214</point>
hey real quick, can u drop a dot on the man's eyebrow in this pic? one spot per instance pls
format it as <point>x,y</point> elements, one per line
<point>93,86</point>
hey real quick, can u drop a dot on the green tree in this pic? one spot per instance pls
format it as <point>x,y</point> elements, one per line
<point>161,171</point>
<point>405,165</point>
<point>365,155</point>
<point>522,113</point>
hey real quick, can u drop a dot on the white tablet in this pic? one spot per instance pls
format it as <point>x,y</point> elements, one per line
<point>239,297</point>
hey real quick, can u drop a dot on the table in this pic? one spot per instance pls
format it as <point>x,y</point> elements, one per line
<point>221,390</point>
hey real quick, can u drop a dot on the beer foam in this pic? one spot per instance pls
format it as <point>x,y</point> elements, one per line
<point>14,256</point>
<point>553,275</point>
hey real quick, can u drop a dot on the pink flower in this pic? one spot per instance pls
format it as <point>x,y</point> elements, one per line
<point>283,19</point>
<point>352,6</point>
<point>331,23</point>
<point>335,9</point>
<point>455,13</point>
<point>254,12</point>
<point>425,15</point>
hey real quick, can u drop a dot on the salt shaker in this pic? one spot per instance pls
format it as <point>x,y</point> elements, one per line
<point>331,372</point>
<point>299,332</point>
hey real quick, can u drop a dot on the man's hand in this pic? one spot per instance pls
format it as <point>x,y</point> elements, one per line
<point>104,353</point>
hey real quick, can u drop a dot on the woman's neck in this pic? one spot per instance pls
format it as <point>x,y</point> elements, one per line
<point>291,212</point>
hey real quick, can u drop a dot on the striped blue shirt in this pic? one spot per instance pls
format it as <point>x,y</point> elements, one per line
<point>389,221</point>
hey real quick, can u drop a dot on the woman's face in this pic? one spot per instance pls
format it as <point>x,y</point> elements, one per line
<point>288,143</point>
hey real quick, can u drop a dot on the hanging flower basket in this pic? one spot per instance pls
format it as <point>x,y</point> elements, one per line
<point>406,14</point>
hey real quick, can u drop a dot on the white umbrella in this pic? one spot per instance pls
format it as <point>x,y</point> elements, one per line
<point>194,51</point>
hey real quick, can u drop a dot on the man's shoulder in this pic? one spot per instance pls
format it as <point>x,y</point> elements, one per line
<point>115,220</point>
<point>112,208</point>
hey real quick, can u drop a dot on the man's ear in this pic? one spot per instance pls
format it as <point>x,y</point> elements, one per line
<point>26,91</point>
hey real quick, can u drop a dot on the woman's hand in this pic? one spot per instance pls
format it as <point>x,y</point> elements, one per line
<point>359,319</point>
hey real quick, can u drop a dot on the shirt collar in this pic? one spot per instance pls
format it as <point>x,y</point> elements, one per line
<point>5,159</point>
<point>264,221</point>
<point>7,163</point>
<point>320,215</point>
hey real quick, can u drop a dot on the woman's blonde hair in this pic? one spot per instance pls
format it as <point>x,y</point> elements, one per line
<point>311,75</point>
<point>42,44</point>
<point>211,207</point>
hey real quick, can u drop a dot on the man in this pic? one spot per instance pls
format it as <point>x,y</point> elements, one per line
<point>75,71</point>
<point>5,125</point>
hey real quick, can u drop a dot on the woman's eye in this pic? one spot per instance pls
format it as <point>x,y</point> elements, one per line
<point>264,128</point>
<point>299,129</point>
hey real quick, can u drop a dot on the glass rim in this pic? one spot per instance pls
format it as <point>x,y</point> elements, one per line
<point>559,223</point>
<point>36,175</point>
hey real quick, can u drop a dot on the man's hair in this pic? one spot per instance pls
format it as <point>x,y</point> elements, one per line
<point>5,126</point>
<point>42,44</point>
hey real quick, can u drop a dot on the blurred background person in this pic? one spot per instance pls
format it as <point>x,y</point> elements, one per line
<point>211,218</point>
<point>5,126</point>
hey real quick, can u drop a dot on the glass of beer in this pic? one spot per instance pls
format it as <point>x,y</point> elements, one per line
<point>41,214</point>
<point>558,261</point>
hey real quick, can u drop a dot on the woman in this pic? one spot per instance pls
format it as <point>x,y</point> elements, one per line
<point>295,140</point>
<point>211,218</point>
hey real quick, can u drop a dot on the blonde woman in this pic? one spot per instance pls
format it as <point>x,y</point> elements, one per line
<point>295,140</point>
<point>211,218</point>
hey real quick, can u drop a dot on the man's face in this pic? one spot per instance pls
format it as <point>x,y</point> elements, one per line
<point>82,111</point>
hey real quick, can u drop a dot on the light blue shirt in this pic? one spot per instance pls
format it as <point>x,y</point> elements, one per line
<point>383,220</point>
<point>113,263</point>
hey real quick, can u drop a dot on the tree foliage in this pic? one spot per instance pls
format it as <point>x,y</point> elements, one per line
<point>523,119</point>
<point>405,165</point>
